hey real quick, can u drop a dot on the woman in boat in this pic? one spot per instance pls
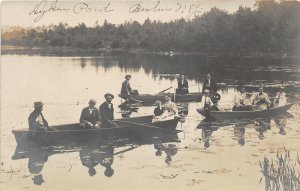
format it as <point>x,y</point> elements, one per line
<point>90,117</point>
<point>183,86</point>
<point>170,106</point>
<point>36,119</point>
<point>240,101</point>
<point>107,111</point>
<point>261,99</point>
<point>280,98</point>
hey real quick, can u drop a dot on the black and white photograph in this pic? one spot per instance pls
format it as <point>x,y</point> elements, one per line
<point>144,95</point>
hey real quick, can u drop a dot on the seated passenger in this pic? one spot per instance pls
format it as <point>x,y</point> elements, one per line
<point>183,86</point>
<point>280,98</point>
<point>158,111</point>
<point>90,117</point>
<point>261,99</point>
<point>36,119</point>
<point>206,101</point>
<point>107,111</point>
<point>126,90</point>
<point>240,100</point>
<point>170,106</point>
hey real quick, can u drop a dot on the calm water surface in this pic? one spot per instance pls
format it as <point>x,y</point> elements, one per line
<point>207,156</point>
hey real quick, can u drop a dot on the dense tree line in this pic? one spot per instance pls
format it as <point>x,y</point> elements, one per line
<point>272,27</point>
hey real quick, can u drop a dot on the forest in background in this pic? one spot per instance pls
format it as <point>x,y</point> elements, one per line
<point>271,27</point>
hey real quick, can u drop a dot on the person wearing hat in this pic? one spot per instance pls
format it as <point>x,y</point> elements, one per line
<point>206,101</point>
<point>183,86</point>
<point>126,88</point>
<point>36,119</point>
<point>170,107</point>
<point>90,117</point>
<point>240,101</point>
<point>280,98</point>
<point>261,99</point>
<point>107,111</point>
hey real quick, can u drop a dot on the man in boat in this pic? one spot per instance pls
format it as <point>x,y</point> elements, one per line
<point>126,90</point>
<point>240,101</point>
<point>36,119</point>
<point>209,84</point>
<point>280,98</point>
<point>170,106</point>
<point>107,111</point>
<point>261,99</point>
<point>90,117</point>
<point>183,86</point>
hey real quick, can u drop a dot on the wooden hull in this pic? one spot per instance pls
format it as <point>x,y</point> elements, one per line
<point>150,99</point>
<point>129,130</point>
<point>219,115</point>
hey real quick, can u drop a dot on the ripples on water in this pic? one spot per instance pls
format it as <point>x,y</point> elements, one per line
<point>210,155</point>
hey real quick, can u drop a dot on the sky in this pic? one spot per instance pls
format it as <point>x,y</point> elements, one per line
<point>46,12</point>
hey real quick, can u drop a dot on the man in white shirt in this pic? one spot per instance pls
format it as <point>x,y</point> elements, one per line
<point>90,117</point>
<point>206,102</point>
<point>280,98</point>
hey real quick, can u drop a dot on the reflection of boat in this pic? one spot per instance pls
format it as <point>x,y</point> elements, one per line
<point>150,99</point>
<point>221,115</point>
<point>132,128</point>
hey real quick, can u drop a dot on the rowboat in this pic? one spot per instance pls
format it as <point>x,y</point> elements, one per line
<point>136,128</point>
<point>148,99</point>
<point>225,115</point>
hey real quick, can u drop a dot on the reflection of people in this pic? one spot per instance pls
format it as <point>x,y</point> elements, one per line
<point>37,158</point>
<point>107,111</point>
<point>170,106</point>
<point>107,161</point>
<point>209,84</point>
<point>261,99</point>
<point>239,133</point>
<point>183,86</point>
<point>36,119</point>
<point>280,98</point>
<point>206,135</point>
<point>126,88</point>
<point>240,101</point>
<point>261,126</point>
<point>280,122</point>
<point>90,117</point>
<point>170,150</point>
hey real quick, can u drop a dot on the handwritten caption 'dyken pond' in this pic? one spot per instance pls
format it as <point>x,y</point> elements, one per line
<point>43,7</point>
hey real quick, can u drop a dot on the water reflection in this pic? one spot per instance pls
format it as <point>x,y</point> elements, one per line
<point>37,158</point>
<point>169,149</point>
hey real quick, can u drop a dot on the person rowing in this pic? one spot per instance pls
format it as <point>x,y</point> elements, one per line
<point>90,117</point>
<point>36,119</point>
<point>126,90</point>
<point>183,85</point>
<point>240,101</point>
<point>260,99</point>
<point>107,111</point>
<point>280,98</point>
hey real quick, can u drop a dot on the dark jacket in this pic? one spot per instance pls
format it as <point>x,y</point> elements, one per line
<point>126,89</point>
<point>106,114</point>
<point>86,117</point>
<point>212,88</point>
<point>158,111</point>
<point>181,85</point>
<point>32,120</point>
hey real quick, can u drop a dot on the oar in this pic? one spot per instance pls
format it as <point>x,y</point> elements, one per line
<point>163,90</point>
<point>148,126</point>
<point>125,150</point>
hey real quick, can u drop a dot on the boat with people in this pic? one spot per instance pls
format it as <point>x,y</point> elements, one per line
<point>134,127</point>
<point>223,115</point>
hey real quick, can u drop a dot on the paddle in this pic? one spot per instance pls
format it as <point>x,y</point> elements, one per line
<point>163,90</point>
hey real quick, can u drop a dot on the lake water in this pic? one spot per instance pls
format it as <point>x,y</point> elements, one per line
<point>218,156</point>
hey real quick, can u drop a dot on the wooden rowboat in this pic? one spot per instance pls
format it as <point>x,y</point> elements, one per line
<point>137,128</point>
<point>148,99</point>
<point>224,115</point>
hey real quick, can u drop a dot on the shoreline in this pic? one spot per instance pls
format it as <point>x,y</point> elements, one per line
<point>71,51</point>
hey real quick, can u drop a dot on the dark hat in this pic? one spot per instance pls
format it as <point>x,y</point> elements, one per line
<point>92,101</point>
<point>38,179</point>
<point>109,94</point>
<point>38,104</point>
<point>127,76</point>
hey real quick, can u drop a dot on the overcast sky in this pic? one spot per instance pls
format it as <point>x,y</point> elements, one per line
<point>29,13</point>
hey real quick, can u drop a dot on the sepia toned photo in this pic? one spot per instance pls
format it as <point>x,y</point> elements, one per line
<point>144,95</point>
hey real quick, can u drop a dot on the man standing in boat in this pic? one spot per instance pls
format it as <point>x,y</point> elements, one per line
<point>126,90</point>
<point>261,99</point>
<point>183,86</point>
<point>90,117</point>
<point>36,119</point>
<point>209,84</point>
<point>107,111</point>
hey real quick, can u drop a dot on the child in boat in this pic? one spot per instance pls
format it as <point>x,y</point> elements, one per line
<point>280,98</point>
